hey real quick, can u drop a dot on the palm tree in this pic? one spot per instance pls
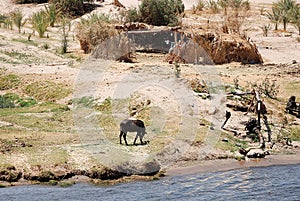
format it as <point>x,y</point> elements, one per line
<point>286,7</point>
<point>295,17</point>
<point>274,16</point>
<point>52,13</point>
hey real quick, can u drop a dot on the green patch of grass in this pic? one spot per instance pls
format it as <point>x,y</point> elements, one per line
<point>25,41</point>
<point>231,145</point>
<point>77,58</point>
<point>9,81</point>
<point>295,133</point>
<point>38,108</point>
<point>66,183</point>
<point>47,91</point>
<point>48,117</point>
<point>20,57</point>
<point>11,100</point>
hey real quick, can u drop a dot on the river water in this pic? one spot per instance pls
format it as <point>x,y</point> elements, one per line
<point>263,183</point>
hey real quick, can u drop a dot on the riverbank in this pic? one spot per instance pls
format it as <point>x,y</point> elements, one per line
<point>230,164</point>
<point>199,167</point>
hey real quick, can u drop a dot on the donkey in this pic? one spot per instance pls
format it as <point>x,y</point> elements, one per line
<point>131,125</point>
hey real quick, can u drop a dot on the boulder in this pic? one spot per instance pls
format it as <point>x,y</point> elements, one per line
<point>256,153</point>
<point>147,168</point>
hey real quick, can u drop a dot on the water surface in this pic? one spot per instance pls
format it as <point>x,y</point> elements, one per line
<point>263,183</point>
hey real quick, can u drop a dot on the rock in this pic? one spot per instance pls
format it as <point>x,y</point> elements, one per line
<point>225,140</point>
<point>257,153</point>
<point>10,174</point>
<point>139,168</point>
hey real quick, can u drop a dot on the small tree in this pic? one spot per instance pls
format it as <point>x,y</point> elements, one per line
<point>17,19</point>
<point>295,18</point>
<point>40,22</point>
<point>274,16</point>
<point>286,8</point>
<point>53,13</point>
<point>65,25</point>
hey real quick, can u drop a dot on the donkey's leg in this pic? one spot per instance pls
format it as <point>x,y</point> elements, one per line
<point>141,139</point>
<point>121,133</point>
<point>124,136</point>
<point>136,137</point>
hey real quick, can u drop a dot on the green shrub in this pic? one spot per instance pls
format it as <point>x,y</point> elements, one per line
<point>17,19</point>
<point>132,15</point>
<point>71,7</point>
<point>11,100</point>
<point>265,29</point>
<point>26,102</point>
<point>40,22</point>
<point>7,101</point>
<point>6,21</point>
<point>52,13</point>
<point>161,12</point>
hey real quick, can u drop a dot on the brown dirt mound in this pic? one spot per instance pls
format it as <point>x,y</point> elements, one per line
<point>226,48</point>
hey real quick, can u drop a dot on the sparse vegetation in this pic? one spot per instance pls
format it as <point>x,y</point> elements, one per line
<point>40,22</point>
<point>9,81</point>
<point>53,14</point>
<point>25,41</point>
<point>265,29</point>
<point>90,32</point>
<point>18,19</point>
<point>47,91</point>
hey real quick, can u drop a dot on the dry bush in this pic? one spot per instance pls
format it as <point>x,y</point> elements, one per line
<point>90,32</point>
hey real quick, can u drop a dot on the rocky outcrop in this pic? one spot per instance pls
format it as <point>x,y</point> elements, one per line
<point>10,174</point>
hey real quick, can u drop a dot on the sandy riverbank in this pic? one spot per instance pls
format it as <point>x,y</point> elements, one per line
<point>230,164</point>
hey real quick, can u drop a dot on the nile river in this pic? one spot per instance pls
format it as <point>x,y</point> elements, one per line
<point>263,183</point>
